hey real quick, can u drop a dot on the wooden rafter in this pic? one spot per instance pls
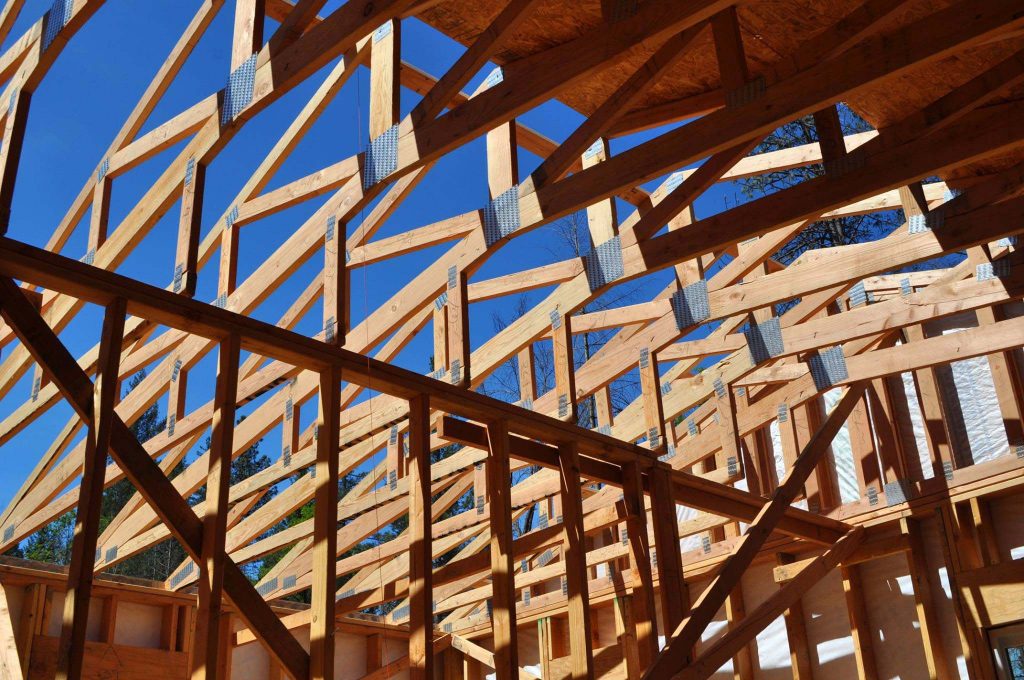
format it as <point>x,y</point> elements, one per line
<point>608,498</point>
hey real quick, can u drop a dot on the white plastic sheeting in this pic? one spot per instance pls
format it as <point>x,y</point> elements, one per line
<point>973,418</point>
<point>918,424</point>
<point>977,435</point>
<point>969,402</point>
<point>983,422</point>
<point>780,463</point>
<point>842,454</point>
<point>683,514</point>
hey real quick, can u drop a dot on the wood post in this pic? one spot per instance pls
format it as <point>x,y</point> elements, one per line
<point>732,443</point>
<point>186,258</point>
<point>575,558</point>
<point>650,392</point>
<point>602,221</point>
<point>935,657</point>
<point>176,393</point>
<point>325,527</point>
<point>71,652</point>
<point>209,651</point>
<point>503,598</point>
<point>565,369</point>
<point>732,62</point>
<point>796,633</point>
<point>336,280</point>
<point>860,627</point>
<point>10,662</point>
<point>644,613</point>
<point>395,458</point>
<point>527,377</point>
<point>385,62</point>
<point>458,326</point>
<point>440,327</point>
<point>248,33</point>
<point>865,451</point>
<point>672,586</point>
<point>973,639</point>
<point>290,426</point>
<point>10,152</point>
<point>735,612</point>
<point>100,216</point>
<point>928,396</point>
<point>625,632</point>
<point>421,617</point>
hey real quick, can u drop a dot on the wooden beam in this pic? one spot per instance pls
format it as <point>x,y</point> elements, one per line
<point>457,308</point>
<point>565,368</point>
<point>860,627</point>
<point>68,276</point>
<point>32,613</point>
<point>10,661</point>
<point>472,60</point>
<point>675,655</point>
<point>602,220</point>
<point>186,259</point>
<point>972,638</point>
<point>10,152</point>
<point>723,649</point>
<point>625,633</point>
<point>644,612</point>
<point>325,523</point>
<point>732,60</point>
<point>796,633</point>
<point>527,376</point>
<point>935,657</point>
<point>385,87</point>
<point>336,283</point>
<point>248,34</point>
<point>146,476</point>
<point>209,650</point>
<point>732,444</point>
<point>574,556</point>
<point>421,618</point>
<point>100,217</point>
<point>735,612</point>
<point>675,598</point>
<point>503,599</point>
<point>71,651</point>
<point>650,393</point>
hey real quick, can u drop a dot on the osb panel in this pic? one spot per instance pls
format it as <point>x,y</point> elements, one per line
<point>889,102</point>
<point>773,31</point>
<point>550,23</point>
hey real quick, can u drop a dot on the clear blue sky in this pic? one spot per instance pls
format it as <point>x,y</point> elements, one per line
<point>99,77</point>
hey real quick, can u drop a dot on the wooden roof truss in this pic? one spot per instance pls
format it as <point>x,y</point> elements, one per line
<point>628,475</point>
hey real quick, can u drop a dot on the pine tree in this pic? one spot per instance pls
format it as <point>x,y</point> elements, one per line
<point>53,542</point>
